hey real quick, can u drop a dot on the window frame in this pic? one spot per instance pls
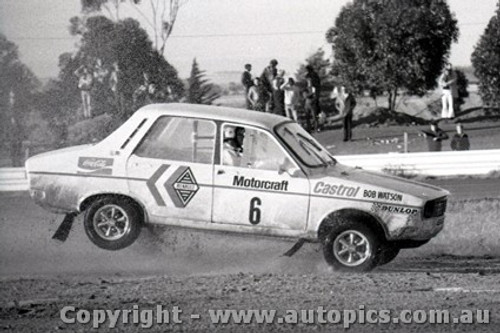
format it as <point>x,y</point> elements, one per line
<point>214,138</point>
<point>256,128</point>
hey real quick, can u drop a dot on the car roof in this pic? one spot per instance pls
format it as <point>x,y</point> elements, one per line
<point>255,118</point>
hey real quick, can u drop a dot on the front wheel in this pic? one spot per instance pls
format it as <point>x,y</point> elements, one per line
<point>351,246</point>
<point>112,223</point>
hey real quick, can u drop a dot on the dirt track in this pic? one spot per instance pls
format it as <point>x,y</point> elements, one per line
<point>197,271</point>
<point>34,305</point>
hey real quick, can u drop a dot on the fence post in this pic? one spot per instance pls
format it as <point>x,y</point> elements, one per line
<point>405,136</point>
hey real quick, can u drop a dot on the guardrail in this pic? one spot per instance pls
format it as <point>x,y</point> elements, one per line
<point>13,179</point>
<point>451,163</point>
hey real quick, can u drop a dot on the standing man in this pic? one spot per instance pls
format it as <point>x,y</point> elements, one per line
<point>258,95</point>
<point>313,79</point>
<point>291,98</point>
<point>85,82</point>
<point>460,140</point>
<point>345,104</point>
<point>247,82</point>
<point>279,94</point>
<point>267,78</point>
<point>435,137</point>
<point>448,84</point>
<point>310,109</point>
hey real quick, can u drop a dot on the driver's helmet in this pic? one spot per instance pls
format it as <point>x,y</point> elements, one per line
<point>229,132</point>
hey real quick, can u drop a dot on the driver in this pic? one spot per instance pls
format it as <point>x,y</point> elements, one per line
<point>232,151</point>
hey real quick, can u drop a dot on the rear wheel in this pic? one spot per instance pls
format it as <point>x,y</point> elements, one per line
<point>113,223</point>
<point>351,246</point>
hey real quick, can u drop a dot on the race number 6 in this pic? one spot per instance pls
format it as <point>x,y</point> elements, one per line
<point>254,214</point>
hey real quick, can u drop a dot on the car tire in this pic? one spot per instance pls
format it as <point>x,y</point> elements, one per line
<point>388,252</point>
<point>351,246</point>
<point>113,223</point>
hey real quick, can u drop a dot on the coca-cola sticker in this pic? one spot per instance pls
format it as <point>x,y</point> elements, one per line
<point>95,165</point>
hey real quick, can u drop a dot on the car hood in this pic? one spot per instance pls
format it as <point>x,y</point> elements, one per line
<point>380,181</point>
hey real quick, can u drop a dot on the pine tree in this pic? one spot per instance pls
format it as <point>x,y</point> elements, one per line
<point>199,90</point>
<point>486,61</point>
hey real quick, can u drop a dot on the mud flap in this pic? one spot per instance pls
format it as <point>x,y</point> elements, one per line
<point>296,247</point>
<point>62,232</point>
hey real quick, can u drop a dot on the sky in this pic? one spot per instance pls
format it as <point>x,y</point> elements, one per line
<point>222,35</point>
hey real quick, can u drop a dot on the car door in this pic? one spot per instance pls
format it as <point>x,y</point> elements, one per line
<point>251,190</point>
<point>171,169</point>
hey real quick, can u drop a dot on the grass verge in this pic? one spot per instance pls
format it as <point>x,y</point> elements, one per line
<point>471,229</point>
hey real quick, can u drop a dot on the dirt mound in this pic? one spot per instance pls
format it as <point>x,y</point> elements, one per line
<point>386,117</point>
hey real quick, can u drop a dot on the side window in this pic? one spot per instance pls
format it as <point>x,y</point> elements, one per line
<point>179,139</point>
<point>250,148</point>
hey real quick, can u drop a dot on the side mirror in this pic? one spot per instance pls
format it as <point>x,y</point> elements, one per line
<point>288,167</point>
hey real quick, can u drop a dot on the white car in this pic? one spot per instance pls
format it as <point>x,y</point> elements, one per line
<point>233,170</point>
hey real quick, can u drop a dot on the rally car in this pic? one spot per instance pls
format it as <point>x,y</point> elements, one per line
<point>233,170</point>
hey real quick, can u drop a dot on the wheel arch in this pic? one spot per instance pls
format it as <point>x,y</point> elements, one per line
<point>368,219</point>
<point>87,201</point>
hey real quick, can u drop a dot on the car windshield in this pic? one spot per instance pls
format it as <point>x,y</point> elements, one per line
<point>304,146</point>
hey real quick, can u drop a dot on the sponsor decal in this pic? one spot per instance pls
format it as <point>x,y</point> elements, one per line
<point>241,181</point>
<point>387,196</point>
<point>394,209</point>
<point>336,189</point>
<point>390,196</point>
<point>181,186</point>
<point>95,165</point>
<point>151,184</point>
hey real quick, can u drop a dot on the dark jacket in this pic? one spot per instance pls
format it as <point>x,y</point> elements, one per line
<point>246,80</point>
<point>434,139</point>
<point>460,142</point>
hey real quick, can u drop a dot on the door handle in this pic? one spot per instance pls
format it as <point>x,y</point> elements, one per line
<point>220,172</point>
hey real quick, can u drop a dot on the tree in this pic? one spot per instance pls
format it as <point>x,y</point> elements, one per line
<point>17,87</point>
<point>199,90</point>
<point>159,15</point>
<point>321,65</point>
<point>392,45</point>
<point>486,61</point>
<point>105,45</point>
<point>462,84</point>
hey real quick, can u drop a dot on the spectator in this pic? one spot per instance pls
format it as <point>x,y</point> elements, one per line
<point>460,140</point>
<point>435,137</point>
<point>113,78</point>
<point>279,94</point>
<point>313,79</point>
<point>258,95</point>
<point>100,72</point>
<point>148,93</point>
<point>267,78</point>
<point>344,103</point>
<point>85,82</point>
<point>310,110</point>
<point>291,98</point>
<point>247,82</point>
<point>448,84</point>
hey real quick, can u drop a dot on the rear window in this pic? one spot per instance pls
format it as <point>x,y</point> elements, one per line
<point>179,139</point>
